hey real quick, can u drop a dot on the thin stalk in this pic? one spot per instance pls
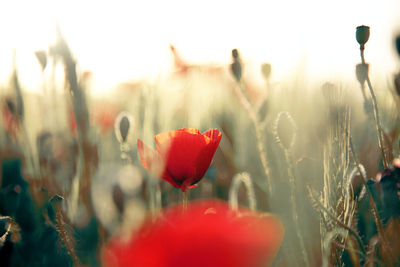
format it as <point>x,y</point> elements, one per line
<point>238,179</point>
<point>185,201</point>
<point>253,117</point>
<point>294,205</point>
<point>64,237</point>
<point>376,113</point>
<point>363,92</point>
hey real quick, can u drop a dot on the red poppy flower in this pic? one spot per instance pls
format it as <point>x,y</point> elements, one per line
<point>209,234</point>
<point>183,156</point>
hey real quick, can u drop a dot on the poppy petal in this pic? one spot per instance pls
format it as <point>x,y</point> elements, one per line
<point>152,162</point>
<point>209,233</point>
<point>181,149</point>
<point>150,159</point>
<point>204,158</point>
<point>163,140</point>
<point>214,135</point>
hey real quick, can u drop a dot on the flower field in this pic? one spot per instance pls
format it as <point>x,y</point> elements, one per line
<point>200,167</point>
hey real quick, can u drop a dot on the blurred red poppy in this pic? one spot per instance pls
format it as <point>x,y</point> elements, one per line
<point>105,118</point>
<point>183,156</point>
<point>209,234</point>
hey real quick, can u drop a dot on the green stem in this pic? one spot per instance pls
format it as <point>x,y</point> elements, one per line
<point>185,201</point>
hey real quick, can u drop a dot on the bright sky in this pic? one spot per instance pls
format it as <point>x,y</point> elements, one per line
<point>125,40</point>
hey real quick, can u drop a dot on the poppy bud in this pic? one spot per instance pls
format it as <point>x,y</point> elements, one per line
<point>124,127</point>
<point>235,53</point>
<point>285,130</point>
<point>398,44</point>
<point>266,70</point>
<point>123,124</point>
<point>236,66</point>
<point>362,34</point>
<point>362,72</point>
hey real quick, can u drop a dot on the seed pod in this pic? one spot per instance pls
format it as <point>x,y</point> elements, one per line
<point>123,125</point>
<point>362,34</point>
<point>362,72</point>
<point>266,70</point>
<point>285,130</point>
<point>236,66</point>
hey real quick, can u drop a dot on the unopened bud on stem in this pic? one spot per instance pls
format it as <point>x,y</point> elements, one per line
<point>236,66</point>
<point>362,35</point>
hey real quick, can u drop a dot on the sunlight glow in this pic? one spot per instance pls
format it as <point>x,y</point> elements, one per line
<point>125,40</point>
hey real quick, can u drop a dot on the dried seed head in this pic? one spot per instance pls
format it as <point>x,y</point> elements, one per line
<point>123,125</point>
<point>362,34</point>
<point>266,70</point>
<point>362,72</point>
<point>285,130</point>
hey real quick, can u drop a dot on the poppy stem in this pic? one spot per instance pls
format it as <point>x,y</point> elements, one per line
<point>292,183</point>
<point>185,200</point>
<point>239,89</point>
<point>376,113</point>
